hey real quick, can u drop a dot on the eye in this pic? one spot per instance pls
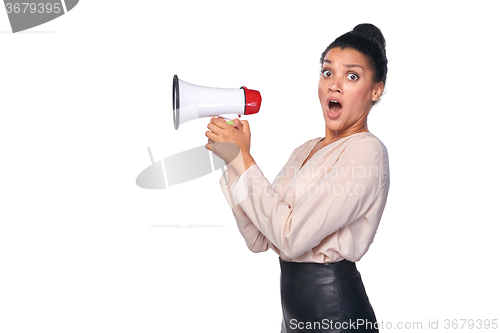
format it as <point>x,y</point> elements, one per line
<point>326,73</point>
<point>352,76</point>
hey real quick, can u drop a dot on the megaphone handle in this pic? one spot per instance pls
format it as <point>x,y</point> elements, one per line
<point>230,116</point>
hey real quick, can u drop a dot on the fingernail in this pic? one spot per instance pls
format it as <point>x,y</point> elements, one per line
<point>230,122</point>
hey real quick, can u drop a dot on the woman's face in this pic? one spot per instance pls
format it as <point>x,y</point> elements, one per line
<point>346,91</point>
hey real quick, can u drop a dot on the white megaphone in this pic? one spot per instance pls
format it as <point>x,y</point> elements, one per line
<point>190,102</point>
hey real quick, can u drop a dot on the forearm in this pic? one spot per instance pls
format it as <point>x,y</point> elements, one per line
<point>248,160</point>
<point>239,165</point>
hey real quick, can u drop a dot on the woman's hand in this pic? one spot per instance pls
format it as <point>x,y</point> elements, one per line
<point>230,142</point>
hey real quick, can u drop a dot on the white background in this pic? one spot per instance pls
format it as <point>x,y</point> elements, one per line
<point>83,249</point>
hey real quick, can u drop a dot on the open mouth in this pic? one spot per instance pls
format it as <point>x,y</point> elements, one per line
<point>334,106</point>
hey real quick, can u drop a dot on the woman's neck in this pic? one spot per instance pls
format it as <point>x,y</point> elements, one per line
<point>332,136</point>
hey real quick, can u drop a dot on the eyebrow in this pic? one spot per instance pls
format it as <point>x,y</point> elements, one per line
<point>348,65</point>
<point>353,65</point>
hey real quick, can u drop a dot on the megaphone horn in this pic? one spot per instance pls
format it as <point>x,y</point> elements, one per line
<point>190,101</point>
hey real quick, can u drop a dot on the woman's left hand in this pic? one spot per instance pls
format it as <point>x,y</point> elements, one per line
<point>237,135</point>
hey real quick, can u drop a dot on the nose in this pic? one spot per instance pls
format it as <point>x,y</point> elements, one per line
<point>335,85</point>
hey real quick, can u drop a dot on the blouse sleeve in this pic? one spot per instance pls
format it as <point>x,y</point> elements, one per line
<point>343,193</point>
<point>254,239</point>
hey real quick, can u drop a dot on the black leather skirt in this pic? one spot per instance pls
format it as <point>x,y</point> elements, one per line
<point>324,298</point>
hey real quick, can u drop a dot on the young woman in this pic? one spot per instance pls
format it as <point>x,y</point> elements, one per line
<point>322,211</point>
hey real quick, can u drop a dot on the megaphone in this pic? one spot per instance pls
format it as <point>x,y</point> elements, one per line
<point>190,101</point>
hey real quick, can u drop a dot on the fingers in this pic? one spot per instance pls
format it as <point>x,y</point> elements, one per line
<point>220,122</point>
<point>218,125</point>
<point>212,137</point>
<point>209,144</point>
<point>216,133</point>
<point>220,130</point>
<point>237,124</point>
<point>245,126</point>
<point>214,128</point>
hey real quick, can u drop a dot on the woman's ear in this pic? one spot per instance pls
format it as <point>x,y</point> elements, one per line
<point>377,91</point>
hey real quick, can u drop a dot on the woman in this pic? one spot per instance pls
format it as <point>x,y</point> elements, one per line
<point>322,211</point>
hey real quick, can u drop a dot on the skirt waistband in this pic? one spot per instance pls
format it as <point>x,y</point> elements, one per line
<point>306,266</point>
<point>330,296</point>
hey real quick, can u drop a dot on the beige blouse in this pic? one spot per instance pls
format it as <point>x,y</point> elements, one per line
<point>326,211</point>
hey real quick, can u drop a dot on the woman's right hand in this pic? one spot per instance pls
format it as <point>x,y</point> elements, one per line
<point>236,124</point>
<point>230,145</point>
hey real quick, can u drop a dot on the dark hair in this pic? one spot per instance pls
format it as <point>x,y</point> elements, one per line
<point>367,39</point>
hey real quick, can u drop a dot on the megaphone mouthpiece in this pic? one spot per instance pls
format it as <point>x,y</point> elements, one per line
<point>252,100</point>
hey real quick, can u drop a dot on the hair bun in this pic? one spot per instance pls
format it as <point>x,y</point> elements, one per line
<point>369,30</point>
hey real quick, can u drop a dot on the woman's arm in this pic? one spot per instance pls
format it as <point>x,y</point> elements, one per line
<point>255,240</point>
<point>228,141</point>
